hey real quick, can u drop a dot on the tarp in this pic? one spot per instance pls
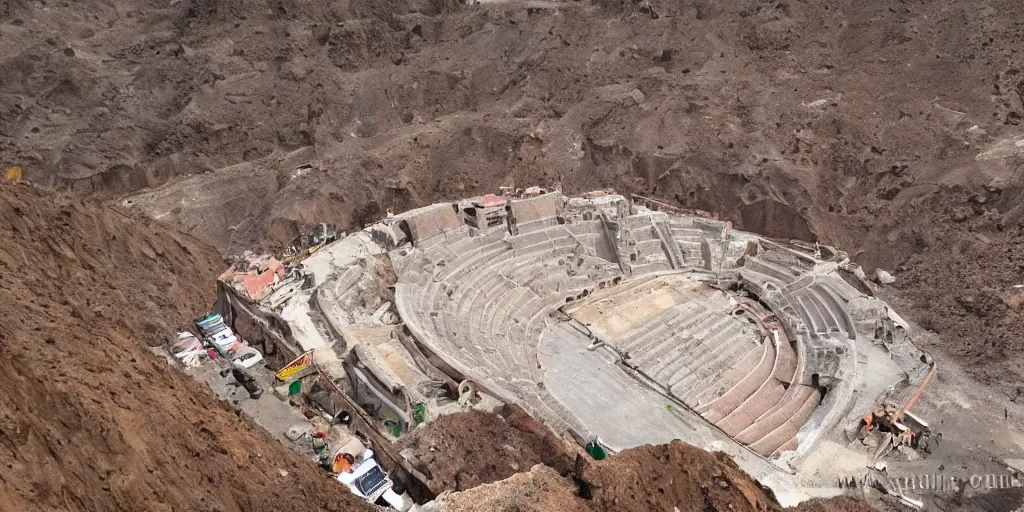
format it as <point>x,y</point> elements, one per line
<point>431,221</point>
<point>536,208</point>
<point>301,363</point>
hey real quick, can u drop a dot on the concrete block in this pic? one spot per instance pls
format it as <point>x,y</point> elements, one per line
<point>281,391</point>
<point>883,277</point>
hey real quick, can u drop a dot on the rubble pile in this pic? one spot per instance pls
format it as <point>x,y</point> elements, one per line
<point>673,477</point>
<point>464,450</point>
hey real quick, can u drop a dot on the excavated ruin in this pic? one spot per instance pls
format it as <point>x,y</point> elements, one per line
<point>890,131</point>
<point>92,420</point>
<point>607,320</point>
<point>793,148</point>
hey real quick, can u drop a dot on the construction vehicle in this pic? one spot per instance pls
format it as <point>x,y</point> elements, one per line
<point>368,481</point>
<point>217,334</point>
<point>898,427</point>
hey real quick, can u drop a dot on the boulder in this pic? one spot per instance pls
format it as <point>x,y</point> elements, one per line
<point>859,272</point>
<point>296,431</point>
<point>883,277</point>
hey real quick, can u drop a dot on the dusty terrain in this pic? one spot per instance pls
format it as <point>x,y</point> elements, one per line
<point>890,128</point>
<point>487,462</point>
<point>461,451</point>
<point>663,477</point>
<point>669,477</point>
<point>89,419</point>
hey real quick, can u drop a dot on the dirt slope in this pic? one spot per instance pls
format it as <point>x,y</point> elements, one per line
<point>541,489</point>
<point>89,419</point>
<point>674,475</point>
<point>461,451</point>
<point>669,477</point>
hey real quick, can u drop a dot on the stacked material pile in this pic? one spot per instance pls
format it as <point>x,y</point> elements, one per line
<point>254,276</point>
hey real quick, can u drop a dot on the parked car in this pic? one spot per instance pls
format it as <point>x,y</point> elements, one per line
<point>247,357</point>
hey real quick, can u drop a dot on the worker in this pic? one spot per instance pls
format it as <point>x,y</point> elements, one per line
<point>240,374</point>
<point>343,463</point>
<point>367,453</point>
<point>246,380</point>
<point>319,442</point>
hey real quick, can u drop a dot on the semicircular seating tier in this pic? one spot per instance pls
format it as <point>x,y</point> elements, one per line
<point>482,302</point>
<point>745,332</point>
<point>716,351</point>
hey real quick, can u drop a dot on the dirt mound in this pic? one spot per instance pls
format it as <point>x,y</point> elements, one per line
<point>669,477</point>
<point>839,504</point>
<point>541,489</point>
<point>463,450</point>
<point>674,475</point>
<point>89,419</point>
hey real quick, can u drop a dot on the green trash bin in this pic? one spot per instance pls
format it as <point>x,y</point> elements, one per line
<point>596,451</point>
<point>295,388</point>
<point>394,426</point>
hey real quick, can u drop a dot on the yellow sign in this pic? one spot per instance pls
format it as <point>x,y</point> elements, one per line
<point>297,365</point>
<point>13,174</point>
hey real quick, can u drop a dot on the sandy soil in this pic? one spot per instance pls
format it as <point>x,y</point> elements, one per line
<point>664,477</point>
<point>463,450</point>
<point>89,418</point>
<point>669,477</point>
<point>540,489</point>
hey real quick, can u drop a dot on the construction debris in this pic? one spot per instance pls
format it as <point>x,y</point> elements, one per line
<point>889,427</point>
<point>883,277</point>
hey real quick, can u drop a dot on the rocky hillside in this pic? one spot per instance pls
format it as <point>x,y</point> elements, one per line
<point>890,128</point>
<point>90,419</point>
<point>672,477</point>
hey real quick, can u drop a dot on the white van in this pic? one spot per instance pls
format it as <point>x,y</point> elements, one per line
<point>223,340</point>
<point>217,333</point>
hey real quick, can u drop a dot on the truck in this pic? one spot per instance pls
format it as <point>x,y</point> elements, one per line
<point>217,334</point>
<point>369,482</point>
